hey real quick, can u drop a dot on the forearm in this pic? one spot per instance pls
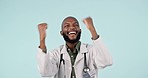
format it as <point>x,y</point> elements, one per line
<point>42,32</point>
<point>89,23</point>
<point>94,33</point>
<point>42,44</point>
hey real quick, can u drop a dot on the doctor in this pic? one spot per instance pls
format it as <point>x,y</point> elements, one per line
<point>74,59</point>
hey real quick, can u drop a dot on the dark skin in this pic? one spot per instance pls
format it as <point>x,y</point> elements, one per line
<point>71,28</point>
<point>71,25</point>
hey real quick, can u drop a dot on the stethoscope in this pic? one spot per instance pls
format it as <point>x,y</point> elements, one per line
<point>62,60</point>
<point>85,69</point>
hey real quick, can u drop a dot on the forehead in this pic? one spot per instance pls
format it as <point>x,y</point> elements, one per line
<point>69,20</point>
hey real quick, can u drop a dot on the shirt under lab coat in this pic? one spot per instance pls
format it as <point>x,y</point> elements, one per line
<point>96,54</point>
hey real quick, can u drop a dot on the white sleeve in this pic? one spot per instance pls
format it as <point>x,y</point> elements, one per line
<point>46,64</point>
<point>100,54</point>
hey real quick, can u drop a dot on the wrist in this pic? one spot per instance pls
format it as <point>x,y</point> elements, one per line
<point>96,37</point>
<point>42,44</point>
<point>43,49</point>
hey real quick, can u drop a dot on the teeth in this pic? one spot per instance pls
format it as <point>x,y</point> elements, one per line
<point>72,32</point>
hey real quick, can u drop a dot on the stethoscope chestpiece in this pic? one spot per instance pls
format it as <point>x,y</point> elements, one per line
<point>86,69</point>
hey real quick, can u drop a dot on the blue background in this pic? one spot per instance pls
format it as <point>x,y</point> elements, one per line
<point>123,25</point>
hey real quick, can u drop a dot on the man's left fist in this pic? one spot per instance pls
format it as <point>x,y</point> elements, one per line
<point>89,23</point>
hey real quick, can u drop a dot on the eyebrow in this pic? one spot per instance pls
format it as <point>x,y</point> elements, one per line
<point>70,22</point>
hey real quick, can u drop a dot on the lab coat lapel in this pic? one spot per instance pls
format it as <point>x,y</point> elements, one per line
<point>80,55</point>
<point>65,53</point>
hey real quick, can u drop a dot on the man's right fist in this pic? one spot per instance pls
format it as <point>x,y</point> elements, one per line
<point>42,30</point>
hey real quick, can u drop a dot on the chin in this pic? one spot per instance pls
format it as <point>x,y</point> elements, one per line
<point>72,38</point>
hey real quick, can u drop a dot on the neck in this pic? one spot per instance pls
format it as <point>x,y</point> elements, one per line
<point>72,45</point>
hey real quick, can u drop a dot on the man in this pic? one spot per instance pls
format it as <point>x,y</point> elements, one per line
<point>74,59</point>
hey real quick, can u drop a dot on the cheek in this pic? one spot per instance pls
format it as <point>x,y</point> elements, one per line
<point>64,29</point>
<point>78,28</point>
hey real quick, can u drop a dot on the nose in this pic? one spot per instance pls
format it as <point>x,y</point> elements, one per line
<point>71,27</point>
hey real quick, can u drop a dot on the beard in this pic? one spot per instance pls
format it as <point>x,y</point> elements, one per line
<point>67,39</point>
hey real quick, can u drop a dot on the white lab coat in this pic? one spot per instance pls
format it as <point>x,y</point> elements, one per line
<point>97,57</point>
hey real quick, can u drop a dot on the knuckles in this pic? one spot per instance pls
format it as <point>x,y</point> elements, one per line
<point>42,26</point>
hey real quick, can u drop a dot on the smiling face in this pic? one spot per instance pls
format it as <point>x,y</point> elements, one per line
<point>70,30</point>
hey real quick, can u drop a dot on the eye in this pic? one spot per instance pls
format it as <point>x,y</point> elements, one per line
<point>76,24</point>
<point>66,25</point>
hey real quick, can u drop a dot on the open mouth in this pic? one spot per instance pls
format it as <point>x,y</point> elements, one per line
<point>72,32</point>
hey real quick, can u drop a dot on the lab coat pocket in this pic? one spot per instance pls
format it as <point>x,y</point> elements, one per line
<point>92,73</point>
<point>86,75</point>
<point>89,74</point>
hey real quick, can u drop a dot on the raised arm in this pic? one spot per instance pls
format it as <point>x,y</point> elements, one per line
<point>99,52</point>
<point>47,61</point>
<point>89,23</point>
<point>42,32</point>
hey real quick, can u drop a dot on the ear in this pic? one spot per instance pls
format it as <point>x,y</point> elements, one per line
<point>61,32</point>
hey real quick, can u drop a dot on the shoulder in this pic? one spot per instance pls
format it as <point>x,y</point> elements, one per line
<point>86,45</point>
<point>56,51</point>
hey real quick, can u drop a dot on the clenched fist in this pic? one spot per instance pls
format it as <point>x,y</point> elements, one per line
<point>42,30</point>
<point>89,23</point>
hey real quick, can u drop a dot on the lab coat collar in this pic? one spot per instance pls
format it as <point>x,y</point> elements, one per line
<point>83,49</point>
